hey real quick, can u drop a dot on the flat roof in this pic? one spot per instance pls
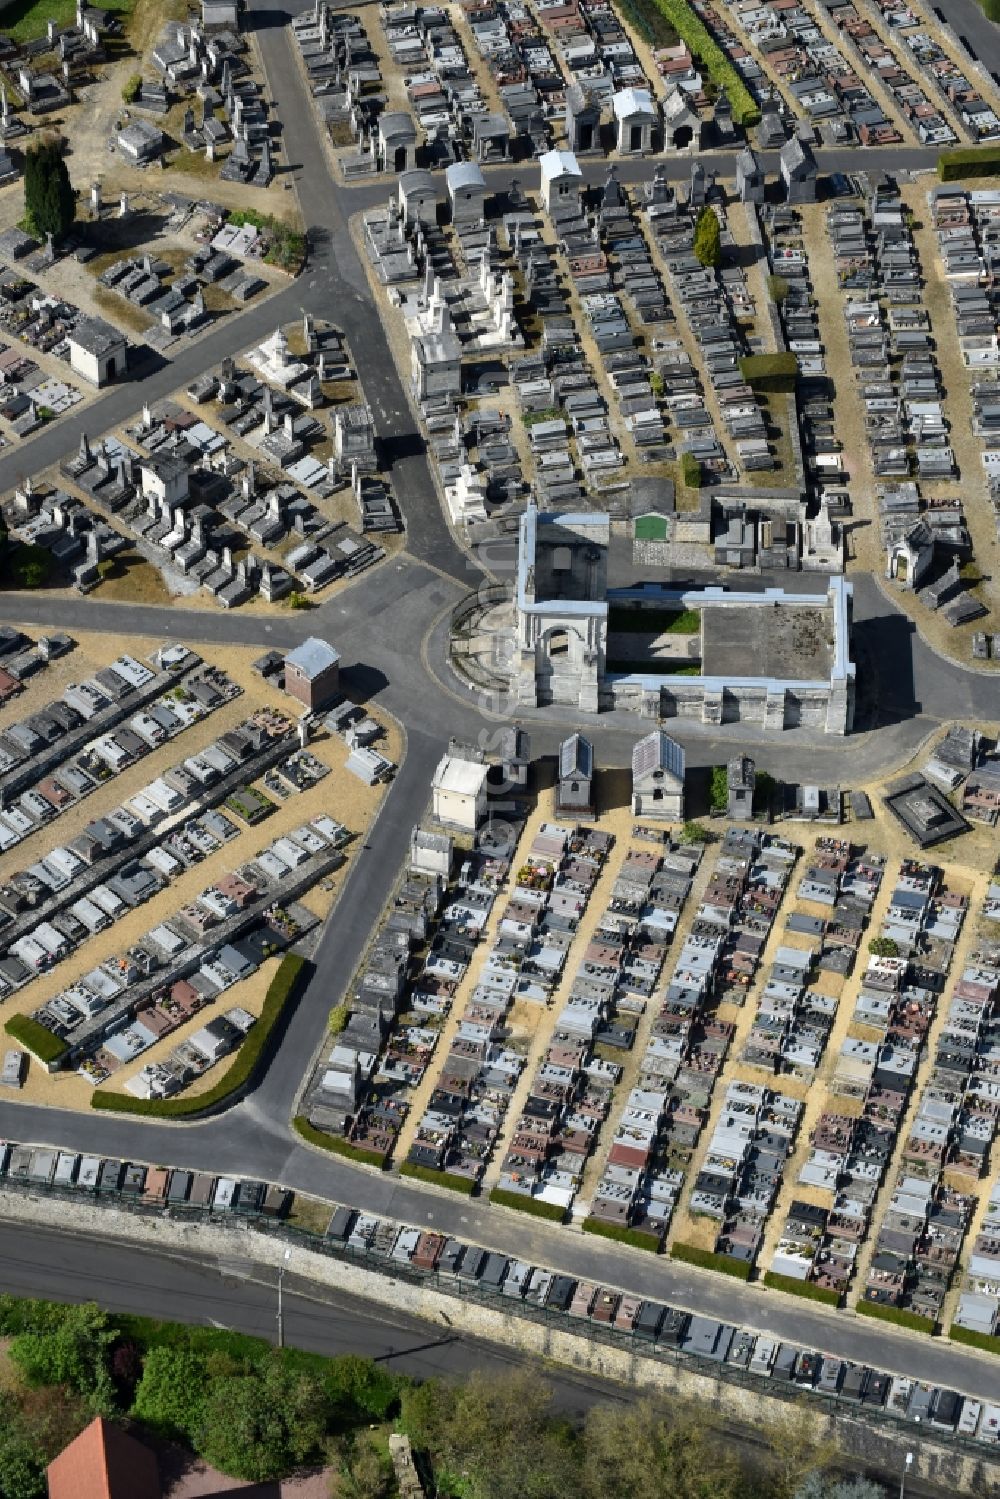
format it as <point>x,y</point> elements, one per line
<point>790,642</point>
<point>464,777</point>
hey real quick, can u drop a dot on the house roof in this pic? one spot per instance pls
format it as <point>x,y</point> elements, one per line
<point>633,101</point>
<point>313,657</point>
<point>104,1462</point>
<point>463,777</point>
<point>559,164</point>
<point>576,757</point>
<point>658,752</point>
<point>95,336</point>
<point>464,174</point>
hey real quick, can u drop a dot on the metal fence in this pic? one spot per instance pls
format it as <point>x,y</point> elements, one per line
<point>875,1417</point>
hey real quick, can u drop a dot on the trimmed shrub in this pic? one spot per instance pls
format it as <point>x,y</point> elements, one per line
<point>337,1144</point>
<point>707,1260</point>
<point>623,1235</point>
<point>804,1288</point>
<point>897,1315</point>
<point>969,161</point>
<point>449,1179</point>
<point>132,89</point>
<point>770,372</point>
<point>284,985</point>
<point>973,1339</point>
<point>532,1205</point>
<point>36,1038</point>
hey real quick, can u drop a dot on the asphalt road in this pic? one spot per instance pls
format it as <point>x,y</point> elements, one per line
<point>966,19</point>
<point>380,625</point>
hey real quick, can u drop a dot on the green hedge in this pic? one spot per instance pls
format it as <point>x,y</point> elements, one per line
<point>283,986</point>
<point>622,1235</point>
<point>692,1255</point>
<point>990,9</point>
<point>969,161</point>
<point>770,372</point>
<point>897,1315</point>
<point>449,1179</point>
<point>532,1205</point>
<point>974,1339</point>
<point>337,1144</point>
<point>805,1288</point>
<point>38,1039</point>
<point>692,29</point>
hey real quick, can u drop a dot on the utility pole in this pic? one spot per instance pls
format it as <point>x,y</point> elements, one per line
<point>907,1465</point>
<point>281,1305</point>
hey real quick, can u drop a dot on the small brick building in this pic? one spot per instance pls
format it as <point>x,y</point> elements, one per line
<point>312,673</point>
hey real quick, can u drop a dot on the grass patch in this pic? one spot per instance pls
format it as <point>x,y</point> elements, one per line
<point>665,668</point>
<point>533,1205</point>
<point>285,984</point>
<point>449,1179</point>
<point>336,1144</point>
<point>25,20</point>
<point>36,1038</point>
<point>973,1339</point>
<point>250,805</point>
<point>897,1315</point>
<point>549,414</point>
<point>643,621</point>
<point>622,1235</point>
<point>706,1259</point>
<point>770,372</point>
<point>805,1288</point>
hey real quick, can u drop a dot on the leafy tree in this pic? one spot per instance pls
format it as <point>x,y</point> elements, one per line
<point>718,794</point>
<point>170,1394</point>
<point>264,1423</point>
<point>708,238</point>
<point>694,832</point>
<point>75,1353</point>
<point>32,1431</point>
<point>49,199</point>
<point>499,1438</point>
<point>357,1387</point>
<point>22,1467</point>
<point>883,947</point>
<point>638,1453</point>
<point>797,1448</point>
<point>126,1371</point>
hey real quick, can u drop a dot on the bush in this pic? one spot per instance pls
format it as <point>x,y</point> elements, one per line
<point>805,1288</point>
<point>708,238</point>
<point>969,161</point>
<point>770,372</point>
<point>883,947</point>
<point>36,1038</point>
<point>337,1144</point>
<point>76,1352</point>
<point>692,29</point>
<point>455,1183</point>
<point>718,793</point>
<point>690,471</point>
<point>132,89</point>
<point>973,1339</point>
<point>263,1422</point>
<point>777,289</point>
<point>169,1396</point>
<point>690,1254</point>
<point>339,1016</point>
<point>897,1314</point>
<point>533,1205</point>
<point>622,1235</point>
<point>282,988</point>
<point>32,566</point>
<point>287,246</point>
<point>299,600</point>
<point>693,832</point>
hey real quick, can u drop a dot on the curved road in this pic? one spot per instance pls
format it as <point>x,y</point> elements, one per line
<point>385,627</point>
